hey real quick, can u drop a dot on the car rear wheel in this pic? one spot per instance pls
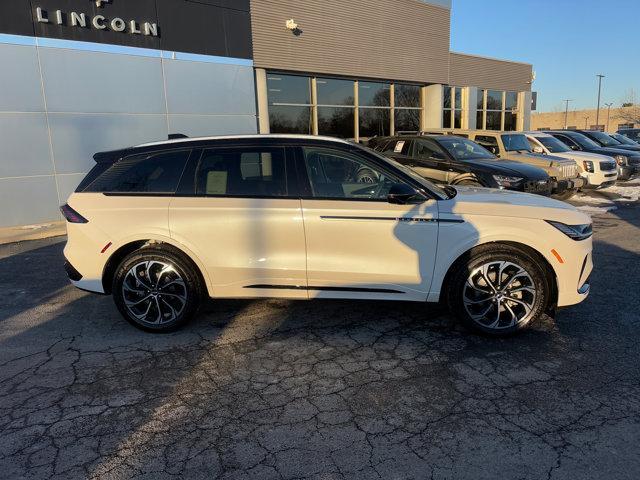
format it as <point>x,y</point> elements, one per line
<point>498,290</point>
<point>156,290</point>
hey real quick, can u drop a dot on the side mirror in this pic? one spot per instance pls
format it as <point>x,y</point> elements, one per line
<point>493,149</point>
<point>401,194</point>
<point>538,149</point>
<point>573,147</point>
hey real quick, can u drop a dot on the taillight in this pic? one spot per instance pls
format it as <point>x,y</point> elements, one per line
<point>71,215</point>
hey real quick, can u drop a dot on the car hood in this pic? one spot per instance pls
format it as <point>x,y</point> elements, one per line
<point>539,159</point>
<point>617,151</point>
<point>584,156</point>
<point>633,148</point>
<point>509,167</point>
<point>507,203</point>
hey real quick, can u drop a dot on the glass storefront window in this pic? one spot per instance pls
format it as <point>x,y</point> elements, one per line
<point>457,119</point>
<point>446,119</point>
<point>374,121</point>
<point>288,89</point>
<point>407,120</point>
<point>287,119</point>
<point>494,100</point>
<point>336,122</point>
<point>494,120</point>
<point>480,120</point>
<point>511,100</point>
<point>510,121</point>
<point>407,95</point>
<point>372,94</point>
<point>334,92</point>
<point>446,97</point>
<point>458,98</point>
<point>480,104</point>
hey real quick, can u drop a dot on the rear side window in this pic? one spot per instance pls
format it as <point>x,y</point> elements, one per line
<point>145,173</point>
<point>250,172</point>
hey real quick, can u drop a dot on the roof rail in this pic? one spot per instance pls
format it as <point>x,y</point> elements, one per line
<point>175,136</point>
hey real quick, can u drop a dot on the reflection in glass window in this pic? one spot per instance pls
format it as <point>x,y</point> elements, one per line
<point>511,100</point>
<point>336,122</point>
<point>480,104</point>
<point>407,95</point>
<point>288,89</point>
<point>407,120</point>
<point>287,119</point>
<point>494,120</point>
<point>510,120</point>
<point>494,100</point>
<point>372,94</point>
<point>374,121</point>
<point>458,97</point>
<point>457,119</point>
<point>446,97</point>
<point>446,119</point>
<point>334,92</point>
<point>480,120</point>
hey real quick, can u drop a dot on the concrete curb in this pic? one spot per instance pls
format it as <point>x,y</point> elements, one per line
<point>32,232</point>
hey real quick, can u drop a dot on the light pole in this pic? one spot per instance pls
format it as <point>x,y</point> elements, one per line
<point>608,105</point>
<point>566,111</point>
<point>600,77</point>
<point>586,120</point>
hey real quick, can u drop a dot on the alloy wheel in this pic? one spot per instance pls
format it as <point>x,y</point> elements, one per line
<point>499,294</point>
<point>154,292</point>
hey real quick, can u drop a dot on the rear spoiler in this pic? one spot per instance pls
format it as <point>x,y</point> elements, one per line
<point>114,155</point>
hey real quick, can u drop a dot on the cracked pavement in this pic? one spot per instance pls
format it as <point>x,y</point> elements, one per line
<point>326,389</point>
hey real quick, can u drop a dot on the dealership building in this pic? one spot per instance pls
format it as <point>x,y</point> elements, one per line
<point>81,76</point>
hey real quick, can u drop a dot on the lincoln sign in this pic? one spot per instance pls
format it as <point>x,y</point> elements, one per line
<point>98,22</point>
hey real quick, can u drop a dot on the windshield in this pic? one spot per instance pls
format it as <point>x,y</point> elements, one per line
<point>515,142</point>
<point>583,141</point>
<point>604,139</point>
<point>623,139</point>
<point>463,149</point>
<point>553,144</point>
<point>439,191</point>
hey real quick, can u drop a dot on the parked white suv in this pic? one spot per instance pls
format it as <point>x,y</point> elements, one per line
<point>162,226</point>
<point>599,171</point>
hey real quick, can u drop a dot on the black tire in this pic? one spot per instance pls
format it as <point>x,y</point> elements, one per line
<point>457,290</point>
<point>566,195</point>
<point>164,293</point>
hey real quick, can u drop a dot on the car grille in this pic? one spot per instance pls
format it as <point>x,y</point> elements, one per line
<point>607,166</point>
<point>539,186</point>
<point>569,171</point>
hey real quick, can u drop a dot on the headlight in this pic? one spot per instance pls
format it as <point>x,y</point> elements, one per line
<point>621,159</point>
<point>576,232</point>
<point>588,166</point>
<point>505,182</point>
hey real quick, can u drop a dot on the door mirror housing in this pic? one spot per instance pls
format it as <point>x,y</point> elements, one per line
<point>538,149</point>
<point>401,194</point>
<point>573,147</point>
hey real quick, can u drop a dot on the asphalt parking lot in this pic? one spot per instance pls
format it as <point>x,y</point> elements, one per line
<point>327,389</point>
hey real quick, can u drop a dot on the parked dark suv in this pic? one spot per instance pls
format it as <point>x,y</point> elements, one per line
<point>459,161</point>
<point>632,133</point>
<point>628,161</point>
<point>606,140</point>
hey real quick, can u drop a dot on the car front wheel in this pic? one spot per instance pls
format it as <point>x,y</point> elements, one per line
<point>498,290</point>
<point>156,289</point>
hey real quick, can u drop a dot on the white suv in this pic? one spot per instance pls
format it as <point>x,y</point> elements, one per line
<point>599,171</point>
<point>162,226</point>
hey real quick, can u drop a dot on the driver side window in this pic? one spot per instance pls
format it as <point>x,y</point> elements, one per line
<point>338,174</point>
<point>425,149</point>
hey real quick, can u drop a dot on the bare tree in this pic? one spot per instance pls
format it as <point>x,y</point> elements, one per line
<point>630,111</point>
